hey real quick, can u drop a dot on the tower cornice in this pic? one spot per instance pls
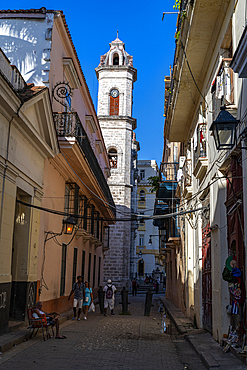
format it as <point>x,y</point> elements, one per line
<point>117,68</point>
<point>129,119</point>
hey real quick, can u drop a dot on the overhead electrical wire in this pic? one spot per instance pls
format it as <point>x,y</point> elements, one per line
<point>134,218</point>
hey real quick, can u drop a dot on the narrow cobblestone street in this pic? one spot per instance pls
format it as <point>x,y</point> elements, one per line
<point>112,342</point>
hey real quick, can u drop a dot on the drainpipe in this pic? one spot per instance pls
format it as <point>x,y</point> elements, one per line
<point>6,166</point>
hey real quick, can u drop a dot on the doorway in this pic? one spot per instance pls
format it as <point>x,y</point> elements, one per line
<point>22,291</point>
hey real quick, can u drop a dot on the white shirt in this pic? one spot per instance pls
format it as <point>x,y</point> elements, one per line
<point>113,290</point>
<point>36,316</point>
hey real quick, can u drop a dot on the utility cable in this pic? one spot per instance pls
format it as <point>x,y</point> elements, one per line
<point>192,74</point>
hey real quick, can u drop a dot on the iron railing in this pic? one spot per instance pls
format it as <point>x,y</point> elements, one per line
<point>170,170</point>
<point>68,124</point>
<point>183,7</point>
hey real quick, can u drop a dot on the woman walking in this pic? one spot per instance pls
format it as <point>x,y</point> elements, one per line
<point>88,298</point>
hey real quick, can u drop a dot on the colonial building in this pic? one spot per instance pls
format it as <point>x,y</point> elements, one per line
<point>147,241</point>
<point>116,76</point>
<point>27,139</point>
<point>211,187</point>
<point>75,179</point>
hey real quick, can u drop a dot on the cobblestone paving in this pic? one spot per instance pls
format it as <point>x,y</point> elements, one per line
<point>112,343</point>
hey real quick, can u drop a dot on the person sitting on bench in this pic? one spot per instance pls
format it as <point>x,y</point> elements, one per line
<point>51,318</point>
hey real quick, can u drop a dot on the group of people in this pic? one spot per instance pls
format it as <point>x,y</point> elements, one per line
<point>83,298</point>
<point>148,279</point>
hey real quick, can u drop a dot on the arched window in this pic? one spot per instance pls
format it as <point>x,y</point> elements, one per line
<point>114,102</point>
<point>142,196</point>
<point>116,60</point>
<point>112,155</point>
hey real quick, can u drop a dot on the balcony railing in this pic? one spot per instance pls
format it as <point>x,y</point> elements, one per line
<point>200,146</point>
<point>68,124</point>
<point>223,87</point>
<point>170,170</point>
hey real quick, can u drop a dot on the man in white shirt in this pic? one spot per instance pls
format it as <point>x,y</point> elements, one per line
<point>51,318</point>
<point>110,291</point>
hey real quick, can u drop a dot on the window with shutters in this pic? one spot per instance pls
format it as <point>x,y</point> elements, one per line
<point>63,269</point>
<point>83,265</point>
<point>71,199</point>
<point>89,267</point>
<point>74,265</point>
<point>114,106</point>
<point>99,266</point>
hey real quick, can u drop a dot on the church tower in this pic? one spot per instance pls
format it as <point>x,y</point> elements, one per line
<point>116,77</point>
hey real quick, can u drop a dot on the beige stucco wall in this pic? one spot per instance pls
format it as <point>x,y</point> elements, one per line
<point>54,191</point>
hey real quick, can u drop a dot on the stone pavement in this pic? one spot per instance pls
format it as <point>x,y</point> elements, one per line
<point>113,342</point>
<point>202,342</point>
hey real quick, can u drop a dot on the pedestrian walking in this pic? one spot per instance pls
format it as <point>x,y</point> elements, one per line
<point>156,287</point>
<point>88,298</point>
<point>77,289</point>
<point>157,284</point>
<point>134,287</point>
<point>109,301</point>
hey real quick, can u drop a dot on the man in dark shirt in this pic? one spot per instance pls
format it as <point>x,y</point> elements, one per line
<point>134,287</point>
<point>78,297</point>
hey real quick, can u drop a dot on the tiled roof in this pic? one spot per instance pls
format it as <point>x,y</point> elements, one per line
<point>41,10</point>
<point>30,91</point>
<point>44,11</point>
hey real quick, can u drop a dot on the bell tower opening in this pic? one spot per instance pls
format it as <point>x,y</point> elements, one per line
<point>116,60</point>
<point>112,155</point>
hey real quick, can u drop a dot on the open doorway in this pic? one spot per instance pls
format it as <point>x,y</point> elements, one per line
<point>23,291</point>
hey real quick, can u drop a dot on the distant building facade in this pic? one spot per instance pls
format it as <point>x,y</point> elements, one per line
<point>147,241</point>
<point>116,76</point>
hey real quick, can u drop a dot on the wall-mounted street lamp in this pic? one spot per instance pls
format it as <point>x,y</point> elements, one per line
<point>140,254</point>
<point>68,225</point>
<point>150,239</point>
<point>224,129</point>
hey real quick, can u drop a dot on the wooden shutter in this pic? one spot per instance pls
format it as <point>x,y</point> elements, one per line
<point>114,106</point>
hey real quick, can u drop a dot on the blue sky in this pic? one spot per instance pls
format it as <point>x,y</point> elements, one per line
<point>94,24</point>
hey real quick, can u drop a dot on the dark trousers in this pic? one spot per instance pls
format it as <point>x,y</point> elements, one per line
<point>134,290</point>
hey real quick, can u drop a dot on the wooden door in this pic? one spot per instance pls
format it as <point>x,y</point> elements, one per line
<point>206,279</point>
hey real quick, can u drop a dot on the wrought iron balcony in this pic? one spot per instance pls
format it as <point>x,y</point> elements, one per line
<point>68,124</point>
<point>170,170</point>
<point>200,151</point>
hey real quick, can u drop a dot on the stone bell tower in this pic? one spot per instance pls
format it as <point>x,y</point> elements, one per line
<point>116,77</point>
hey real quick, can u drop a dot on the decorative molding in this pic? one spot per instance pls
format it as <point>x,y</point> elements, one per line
<point>71,73</point>
<point>91,123</point>
<point>188,191</point>
<point>201,168</point>
<point>99,146</point>
<point>38,194</point>
<point>10,173</point>
<point>239,60</point>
